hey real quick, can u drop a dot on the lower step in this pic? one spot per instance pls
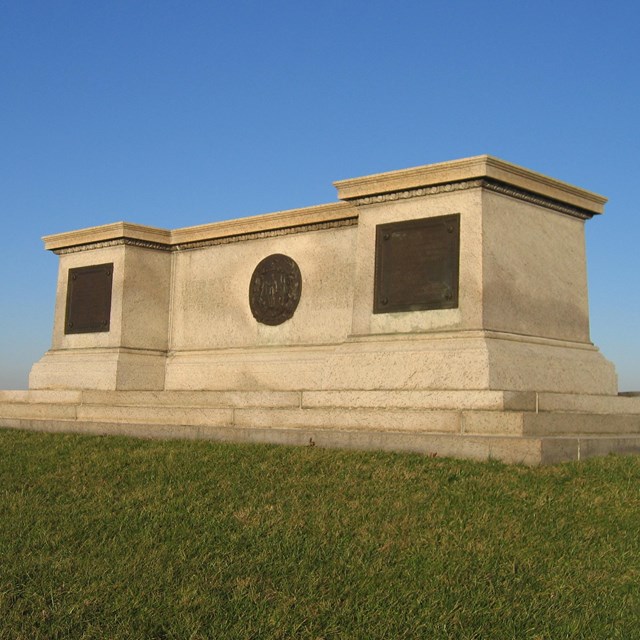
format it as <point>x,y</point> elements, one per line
<point>528,450</point>
<point>410,419</point>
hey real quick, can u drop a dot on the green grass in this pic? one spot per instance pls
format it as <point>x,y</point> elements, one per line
<point>121,538</point>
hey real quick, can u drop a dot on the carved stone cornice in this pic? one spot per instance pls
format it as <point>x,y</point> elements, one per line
<point>534,198</point>
<point>480,183</point>
<point>443,175</point>
<point>269,233</point>
<point>418,192</point>
<point>115,242</point>
<point>209,242</point>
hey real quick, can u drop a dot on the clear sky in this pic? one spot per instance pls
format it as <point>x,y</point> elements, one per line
<point>173,114</point>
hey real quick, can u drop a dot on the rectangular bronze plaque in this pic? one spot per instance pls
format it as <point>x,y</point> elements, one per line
<point>417,264</point>
<point>89,299</point>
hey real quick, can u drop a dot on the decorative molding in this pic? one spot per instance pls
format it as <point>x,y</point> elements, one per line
<point>479,183</point>
<point>209,242</point>
<point>116,242</point>
<point>420,191</point>
<point>534,198</point>
<point>270,233</point>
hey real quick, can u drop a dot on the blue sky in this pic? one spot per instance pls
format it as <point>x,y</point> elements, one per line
<point>180,113</point>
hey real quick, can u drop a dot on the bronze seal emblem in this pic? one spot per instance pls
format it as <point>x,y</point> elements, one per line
<point>274,292</point>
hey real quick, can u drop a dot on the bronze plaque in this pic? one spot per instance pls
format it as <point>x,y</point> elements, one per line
<point>275,289</point>
<point>417,264</point>
<point>89,299</point>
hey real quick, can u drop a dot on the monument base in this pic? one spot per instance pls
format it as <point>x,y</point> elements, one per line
<point>512,426</point>
<point>99,368</point>
<point>462,360</point>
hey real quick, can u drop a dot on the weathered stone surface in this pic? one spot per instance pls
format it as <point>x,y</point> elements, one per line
<point>220,399</point>
<point>355,418</point>
<point>155,415</point>
<point>421,399</point>
<point>39,410</point>
<point>588,403</point>
<point>565,423</point>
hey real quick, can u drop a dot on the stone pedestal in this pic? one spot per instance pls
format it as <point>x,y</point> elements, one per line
<point>181,319</point>
<point>132,353</point>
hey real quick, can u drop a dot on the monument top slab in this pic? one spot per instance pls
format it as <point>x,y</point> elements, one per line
<point>477,167</point>
<point>291,218</point>
<point>486,170</point>
<point>105,233</point>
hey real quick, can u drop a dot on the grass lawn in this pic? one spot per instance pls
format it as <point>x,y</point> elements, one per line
<point>119,538</point>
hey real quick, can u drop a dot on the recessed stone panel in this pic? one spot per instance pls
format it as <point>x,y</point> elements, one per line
<point>417,264</point>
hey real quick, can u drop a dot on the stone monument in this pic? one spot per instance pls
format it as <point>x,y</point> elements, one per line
<point>440,309</point>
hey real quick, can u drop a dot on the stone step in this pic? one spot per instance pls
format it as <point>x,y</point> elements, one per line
<point>383,399</point>
<point>47,396</point>
<point>221,399</point>
<point>481,400</point>
<point>339,418</point>
<point>422,399</point>
<point>583,403</point>
<point>280,409</point>
<point>565,423</point>
<point>156,414</point>
<point>427,420</point>
<point>155,398</point>
<point>510,426</point>
<point>528,450</point>
<point>273,417</point>
<point>38,410</point>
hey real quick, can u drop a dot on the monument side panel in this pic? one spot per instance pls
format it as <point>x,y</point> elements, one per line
<point>211,305</point>
<point>534,270</point>
<point>467,313</point>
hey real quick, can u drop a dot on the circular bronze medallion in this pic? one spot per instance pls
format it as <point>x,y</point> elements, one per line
<point>275,289</point>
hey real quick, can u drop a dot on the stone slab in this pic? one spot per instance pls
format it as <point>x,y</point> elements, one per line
<point>104,233</point>
<point>421,399</point>
<point>155,415</point>
<point>483,166</point>
<point>612,404</point>
<point>38,410</point>
<point>621,445</point>
<point>366,419</point>
<point>493,422</point>
<point>512,450</point>
<point>529,450</point>
<point>220,399</point>
<point>136,430</point>
<point>558,423</point>
<point>49,396</point>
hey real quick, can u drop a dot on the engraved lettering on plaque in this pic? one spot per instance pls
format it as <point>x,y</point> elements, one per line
<point>274,292</point>
<point>417,264</point>
<point>89,299</point>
